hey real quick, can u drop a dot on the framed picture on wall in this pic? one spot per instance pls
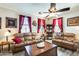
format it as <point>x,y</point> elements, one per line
<point>74,21</point>
<point>11,22</point>
<point>0,22</point>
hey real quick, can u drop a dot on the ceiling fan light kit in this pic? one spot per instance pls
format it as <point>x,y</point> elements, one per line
<point>52,10</point>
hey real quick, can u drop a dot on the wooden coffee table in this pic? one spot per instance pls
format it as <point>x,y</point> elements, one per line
<point>48,50</point>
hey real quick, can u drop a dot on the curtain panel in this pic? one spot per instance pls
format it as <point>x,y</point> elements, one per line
<point>41,22</point>
<point>53,24</point>
<point>60,24</point>
<point>30,24</point>
<point>44,25</point>
<point>21,21</point>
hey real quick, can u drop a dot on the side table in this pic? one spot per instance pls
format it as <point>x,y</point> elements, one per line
<point>0,47</point>
<point>8,45</point>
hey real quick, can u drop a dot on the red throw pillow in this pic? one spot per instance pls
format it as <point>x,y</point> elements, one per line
<point>17,40</point>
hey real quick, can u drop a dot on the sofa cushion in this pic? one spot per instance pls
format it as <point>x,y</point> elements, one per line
<point>19,34</point>
<point>28,38</point>
<point>58,37</point>
<point>19,45</point>
<point>69,34</point>
<point>70,39</point>
<point>57,40</point>
<point>77,37</point>
<point>68,43</point>
<point>22,34</point>
<point>17,40</point>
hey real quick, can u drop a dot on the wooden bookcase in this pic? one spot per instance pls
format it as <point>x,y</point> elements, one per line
<point>49,31</point>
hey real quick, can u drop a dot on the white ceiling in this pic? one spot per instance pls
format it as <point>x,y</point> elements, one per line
<point>32,8</point>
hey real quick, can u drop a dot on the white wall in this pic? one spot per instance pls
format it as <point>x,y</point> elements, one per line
<point>66,15</point>
<point>4,12</point>
<point>34,28</point>
<point>70,29</point>
<point>7,13</point>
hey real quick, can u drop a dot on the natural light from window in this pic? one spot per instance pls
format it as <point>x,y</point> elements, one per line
<point>25,26</point>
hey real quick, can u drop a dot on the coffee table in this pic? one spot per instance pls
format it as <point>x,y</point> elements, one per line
<point>48,50</point>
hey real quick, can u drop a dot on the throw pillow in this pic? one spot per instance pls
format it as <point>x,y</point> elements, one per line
<point>17,40</point>
<point>27,39</point>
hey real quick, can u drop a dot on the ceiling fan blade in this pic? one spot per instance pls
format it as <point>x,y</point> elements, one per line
<point>64,9</point>
<point>46,16</point>
<point>45,12</point>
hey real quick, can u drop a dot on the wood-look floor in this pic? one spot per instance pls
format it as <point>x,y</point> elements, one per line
<point>61,52</point>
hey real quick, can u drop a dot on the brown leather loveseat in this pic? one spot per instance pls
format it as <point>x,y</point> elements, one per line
<point>66,40</point>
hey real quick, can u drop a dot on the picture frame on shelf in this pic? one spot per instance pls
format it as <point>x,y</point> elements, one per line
<point>11,22</point>
<point>74,21</point>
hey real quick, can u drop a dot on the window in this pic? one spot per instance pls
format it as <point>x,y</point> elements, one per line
<point>41,28</point>
<point>25,26</point>
<point>57,29</point>
<point>34,28</point>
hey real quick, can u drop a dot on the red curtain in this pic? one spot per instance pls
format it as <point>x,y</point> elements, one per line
<point>53,25</point>
<point>21,20</point>
<point>39,24</point>
<point>44,25</point>
<point>29,20</point>
<point>60,23</point>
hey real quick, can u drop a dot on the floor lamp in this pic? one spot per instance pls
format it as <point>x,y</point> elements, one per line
<point>7,34</point>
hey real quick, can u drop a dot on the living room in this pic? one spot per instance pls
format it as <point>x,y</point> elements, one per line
<point>59,28</point>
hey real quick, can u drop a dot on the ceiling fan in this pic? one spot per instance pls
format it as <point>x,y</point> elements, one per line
<point>53,9</point>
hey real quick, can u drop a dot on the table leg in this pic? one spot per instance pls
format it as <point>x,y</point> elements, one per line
<point>2,47</point>
<point>8,47</point>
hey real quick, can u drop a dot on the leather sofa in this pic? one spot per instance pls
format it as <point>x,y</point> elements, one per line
<point>20,47</point>
<point>66,40</point>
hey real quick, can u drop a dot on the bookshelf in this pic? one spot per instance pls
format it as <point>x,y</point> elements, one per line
<point>49,31</point>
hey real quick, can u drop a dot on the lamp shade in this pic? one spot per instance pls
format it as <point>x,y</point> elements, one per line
<point>7,33</point>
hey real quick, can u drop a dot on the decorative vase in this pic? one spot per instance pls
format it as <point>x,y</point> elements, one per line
<point>41,44</point>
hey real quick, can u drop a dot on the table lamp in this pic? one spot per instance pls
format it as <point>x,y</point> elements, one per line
<point>7,34</point>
